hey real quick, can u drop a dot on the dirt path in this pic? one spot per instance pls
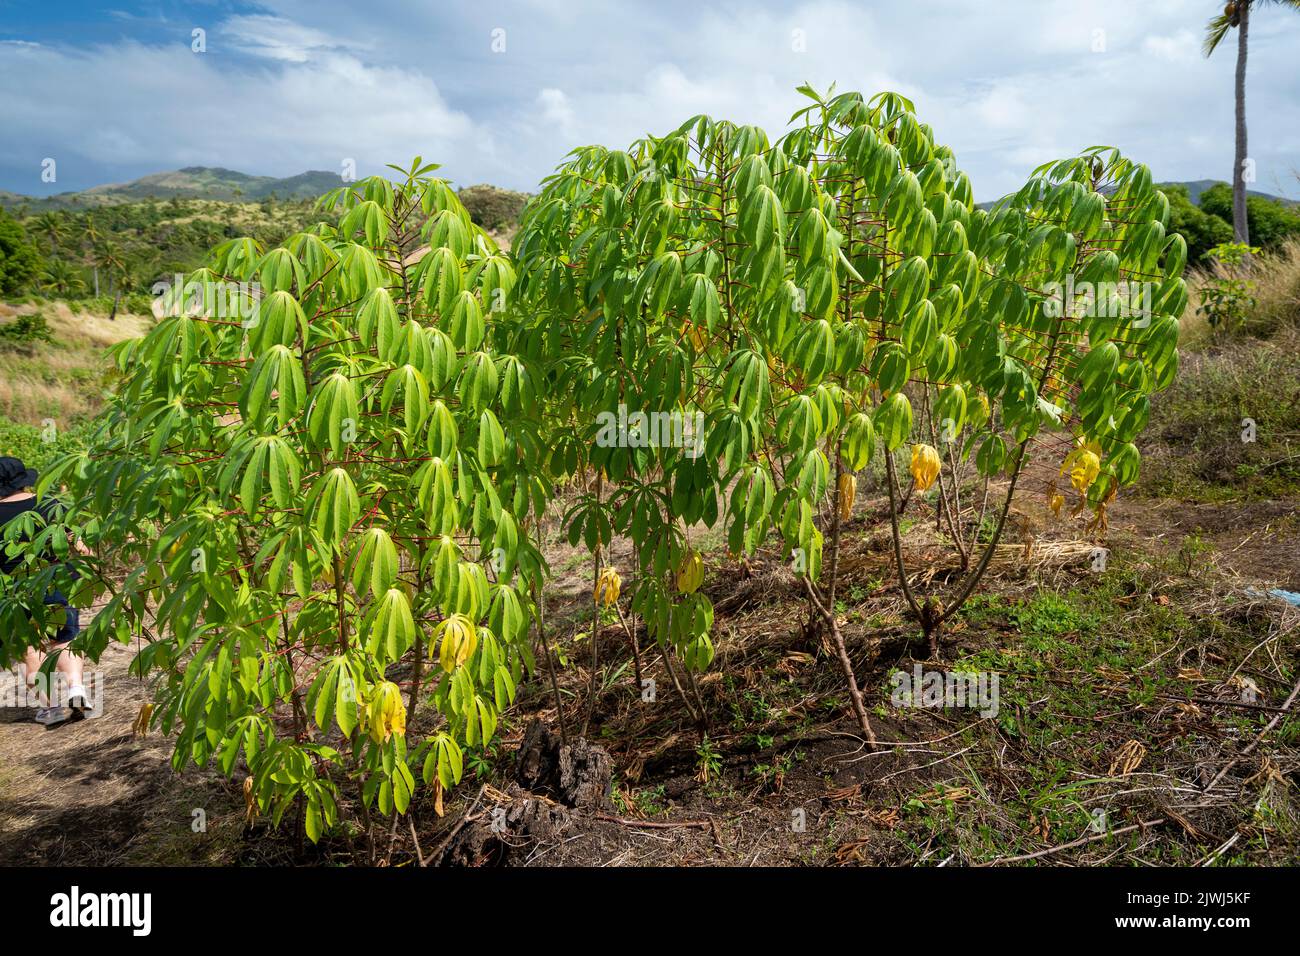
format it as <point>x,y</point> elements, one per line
<point>92,793</point>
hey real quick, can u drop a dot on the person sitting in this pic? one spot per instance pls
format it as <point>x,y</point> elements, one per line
<point>16,498</point>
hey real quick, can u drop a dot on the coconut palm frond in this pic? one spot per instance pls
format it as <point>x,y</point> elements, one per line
<point>1215,31</point>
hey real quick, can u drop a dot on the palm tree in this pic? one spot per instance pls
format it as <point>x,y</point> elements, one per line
<point>62,279</point>
<point>90,237</point>
<point>108,256</point>
<point>51,227</point>
<point>129,275</point>
<point>1236,15</point>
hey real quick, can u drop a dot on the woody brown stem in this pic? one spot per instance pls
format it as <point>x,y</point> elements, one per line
<point>855,695</point>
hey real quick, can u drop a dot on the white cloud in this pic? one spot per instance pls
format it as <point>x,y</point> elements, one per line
<point>1184,46</point>
<point>1003,107</point>
<point>304,84</point>
<point>556,108</point>
<point>164,107</point>
<point>278,39</point>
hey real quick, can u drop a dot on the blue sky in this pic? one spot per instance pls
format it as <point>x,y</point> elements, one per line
<point>500,91</point>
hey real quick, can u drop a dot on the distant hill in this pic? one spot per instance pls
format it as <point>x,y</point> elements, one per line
<point>1194,189</point>
<point>192,182</point>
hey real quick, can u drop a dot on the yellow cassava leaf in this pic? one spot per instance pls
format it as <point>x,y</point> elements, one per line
<point>459,639</point>
<point>925,466</point>
<point>848,487</point>
<point>141,725</point>
<point>387,714</point>
<point>607,586</point>
<point>691,573</point>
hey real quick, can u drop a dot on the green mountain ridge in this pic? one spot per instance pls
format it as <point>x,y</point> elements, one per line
<point>191,182</point>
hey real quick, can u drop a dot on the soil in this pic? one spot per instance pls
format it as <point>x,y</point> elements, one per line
<point>92,793</point>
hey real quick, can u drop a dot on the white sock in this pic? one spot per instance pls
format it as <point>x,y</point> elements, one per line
<point>77,690</point>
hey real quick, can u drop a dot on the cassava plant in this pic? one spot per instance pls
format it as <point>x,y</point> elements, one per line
<point>316,514</point>
<point>1070,327</point>
<point>798,299</point>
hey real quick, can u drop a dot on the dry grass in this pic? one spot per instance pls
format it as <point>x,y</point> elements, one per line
<point>1192,448</point>
<point>62,379</point>
<point>1277,290</point>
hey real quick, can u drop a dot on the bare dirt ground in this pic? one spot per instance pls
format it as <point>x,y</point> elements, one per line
<point>92,793</point>
<point>1121,695</point>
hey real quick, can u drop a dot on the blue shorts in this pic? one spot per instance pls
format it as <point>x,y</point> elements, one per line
<point>71,626</point>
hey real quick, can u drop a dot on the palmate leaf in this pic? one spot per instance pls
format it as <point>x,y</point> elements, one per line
<point>507,616</point>
<point>466,325</point>
<point>703,304</point>
<point>378,323</point>
<point>175,347</point>
<point>392,627</point>
<point>334,413</point>
<point>272,465</point>
<point>414,389</point>
<point>334,695</point>
<point>448,229</point>
<point>491,439</point>
<point>479,381</point>
<point>436,497</point>
<point>279,320</point>
<point>275,390</point>
<point>280,271</point>
<point>359,271</point>
<point>746,383</point>
<point>893,420</point>
<point>374,562</point>
<point>762,219</point>
<point>369,218</point>
<point>443,432</point>
<point>443,280</point>
<point>445,761</point>
<point>314,255</point>
<point>334,506</point>
<point>518,386</point>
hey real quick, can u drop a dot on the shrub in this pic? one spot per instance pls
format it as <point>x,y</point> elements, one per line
<point>1270,222</point>
<point>1227,297</point>
<point>333,492</point>
<point>20,259</point>
<point>710,327</point>
<point>492,207</point>
<point>811,298</point>
<point>23,332</point>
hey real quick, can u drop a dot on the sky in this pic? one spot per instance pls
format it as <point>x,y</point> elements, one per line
<point>499,92</point>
